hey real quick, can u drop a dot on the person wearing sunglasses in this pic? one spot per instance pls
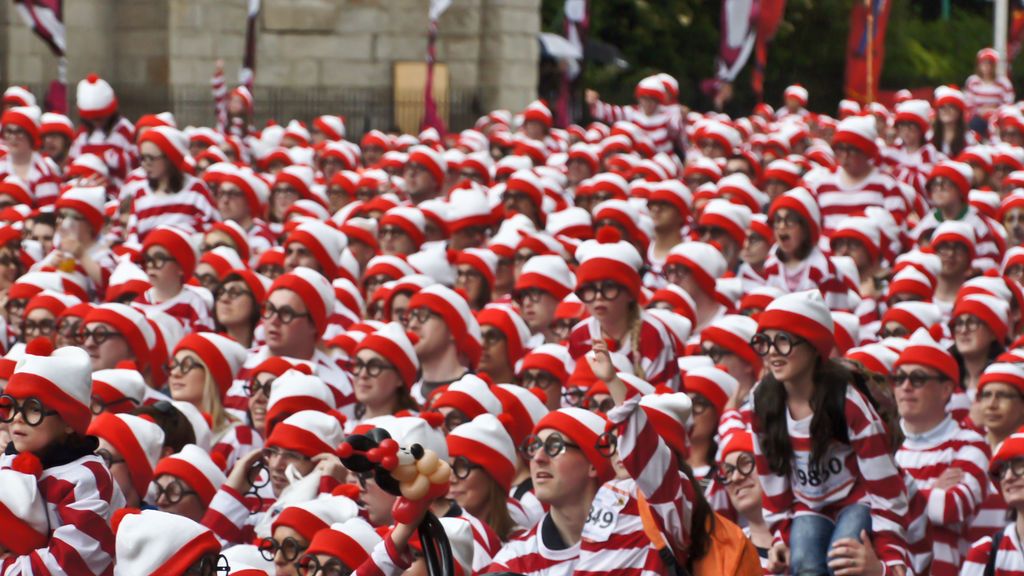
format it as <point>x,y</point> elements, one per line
<point>544,281</point>
<point>980,326</point>
<point>185,483</point>
<point>608,283</point>
<point>384,372</point>
<point>999,552</point>
<point>945,460</point>
<point>169,258</point>
<point>340,549</point>
<point>823,452</point>
<point>45,407</point>
<point>130,446</point>
<point>483,466</point>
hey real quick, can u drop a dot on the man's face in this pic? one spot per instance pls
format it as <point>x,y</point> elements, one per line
<point>299,336</point>
<point>563,478</point>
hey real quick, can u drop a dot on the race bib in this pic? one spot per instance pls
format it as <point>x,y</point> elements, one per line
<point>603,515</point>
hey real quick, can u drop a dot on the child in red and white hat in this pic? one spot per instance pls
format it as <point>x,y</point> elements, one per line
<point>169,257</point>
<point>23,138</point>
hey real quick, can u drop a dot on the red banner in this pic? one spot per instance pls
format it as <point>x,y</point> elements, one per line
<point>768,18</point>
<point>857,48</point>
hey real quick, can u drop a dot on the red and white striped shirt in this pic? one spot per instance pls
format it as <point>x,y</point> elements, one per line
<point>188,306</point>
<point>664,127</point>
<point>539,552</point>
<point>236,402</point>
<point>117,149</point>
<point>43,177</point>
<point>1009,555</point>
<point>189,209</point>
<point>913,166</point>
<point>990,95</point>
<point>991,516</point>
<point>654,352</point>
<point>80,498</point>
<point>988,242</point>
<point>861,472</point>
<point>816,272</point>
<point>937,540</point>
<point>236,442</point>
<point>840,198</point>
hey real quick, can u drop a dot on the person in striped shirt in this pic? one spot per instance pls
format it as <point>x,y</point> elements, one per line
<point>986,90</point>
<point>944,460</point>
<point>822,451</point>
<point>1002,552</point>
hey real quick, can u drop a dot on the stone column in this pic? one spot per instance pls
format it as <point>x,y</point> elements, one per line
<point>509,58</point>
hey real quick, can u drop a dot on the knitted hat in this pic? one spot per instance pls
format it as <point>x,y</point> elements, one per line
<point>60,380</point>
<point>917,112</point>
<point>1002,373</point>
<point>522,407</point>
<point>801,201</point>
<point>674,193</point>
<point>23,511</point>
<point>139,440</point>
<point>173,143</point>
<point>625,215</point>
<point>796,92</point>
<point>88,202</point>
<point>1010,449</point>
<point>740,190</point>
<point>955,231</point>
<point>992,311</point>
<point>19,96</point>
<point>803,314</point>
<point>394,267</point>
<point>293,391</point>
<point>609,258</point>
<point>221,355</point>
<point>483,260</point>
<point>153,542</point>
<point>736,441</point>
<point>552,358</point>
<point>704,261</point>
<point>549,273</point>
<point>485,442</point>
<point>178,243</point>
<point>847,330</point>
<point>131,324</point>
<point>393,344</point>
<point>959,173</point>
<point>670,416</point>
<point>54,302</point>
<point>538,111</point>
<point>310,517</point>
<point>120,389</point>
<point>527,182</point>
<point>733,218</point>
<point>430,159</point>
<point>324,242</point>
<point>585,429</point>
<point>911,280</point>
<point>95,98</point>
<point>713,383</point>
<point>18,190</point>
<point>333,127</point>
<point>733,332</point>
<point>24,117</point>
<point>859,132</point>
<point>924,350</point>
<point>307,432</point>
<point>874,357</point>
<point>913,315</point>
<point>458,318</point>
<point>469,395</point>
<point>861,229</point>
<point>222,259</point>
<point>313,289</point>
<point>408,219</point>
<point>351,541</point>
<point>506,319</point>
<point>194,466</point>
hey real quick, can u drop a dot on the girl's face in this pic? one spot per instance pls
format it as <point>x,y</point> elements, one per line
<point>799,362</point>
<point>188,379</point>
<point>163,270</point>
<point>154,163</point>
<point>611,303</point>
<point>755,250</point>
<point>234,304</point>
<point>283,566</point>
<point>744,491</point>
<point>470,280</point>
<point>538,309</point>
<point>375,390</point>
<point>705,419</point>
<point>39,322</point>
<point>172,488</point>
<point>790,233</point>
<point>948,114</point>
<point>971,335</point>
<point>258,401</point>
<point>51,430</point>
<point>494,356</point>
<point>472,492</point>
<point>910,133</point>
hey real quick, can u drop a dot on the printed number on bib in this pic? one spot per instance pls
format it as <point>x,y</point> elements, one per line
<point>603,515</point>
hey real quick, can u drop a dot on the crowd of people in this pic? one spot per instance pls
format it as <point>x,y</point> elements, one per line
<point>666,342</point>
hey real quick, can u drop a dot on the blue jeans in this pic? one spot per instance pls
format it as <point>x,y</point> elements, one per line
<point>811,537</point>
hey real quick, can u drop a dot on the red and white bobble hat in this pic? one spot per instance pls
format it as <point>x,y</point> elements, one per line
<point>801,201</point>
<point>324,242</point>
<point>922,349</point>
<point>308,432</point>
<point>796,92</point>
<point>609,258</point>
<point>483,260</point>
<point>959,173</point>
<point>740,190</point>
<point>333,127</point>
<point>859,132</point>
<point>222,355</point>
<point>408,219</point>
<point>913,315</point>
<point>61,380</point>
<point>310,517</point>
<point>18,190</point>
<point>585,429</point>
<point>507,319</point>
<point>485,442</point>
<point>194,466</point>
<point>704,261</point>
<point>733,332</point>
<point>154,542</point>
<point>139,440</point>
<point>993,312</point>
<point>314,290</point>
<point>120,389</point>
<point>393,344</point>
<point>458,318</point>
<point>549,273</point>
<point>713,383</point>
<point>95,98</point>
<point>54,302</point>
<point>178,243</point>
<point>294,391</point>
<point>670,416</point>
<point>1003,373</point>
<point>351,541</point>
<point>731,217</point>
<point>173,143</point>
<point>861,229</point>
<point>917,112</point>
<point>949,96</point>
<point>847,331</point>
<point>394,267</point>
<point>88,166</point>
<point>912,280</point>
<point>674,193</point>
<point>222,259</point>
<point>469,395</point>
<point>802,314</point>
<point>19,96</point>
<point>523,407</point>
<point>22,507</point>
<point>27,118</point>
<point>955,231</point>
<point>89,202</point>
<point>432,160</point>
<point>237,234</point>
<point>680,301</point>
<point>874,357</point>
<point>538,111</point>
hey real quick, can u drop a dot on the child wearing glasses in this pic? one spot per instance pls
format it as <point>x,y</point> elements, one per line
<point>169,257</point>
<point>822,451</point>
<point>46,403</point>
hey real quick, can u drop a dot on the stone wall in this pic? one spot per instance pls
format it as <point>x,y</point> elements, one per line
<point>160,54</point>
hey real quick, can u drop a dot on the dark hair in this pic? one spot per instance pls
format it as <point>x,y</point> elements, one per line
<point>805,247</point>
<point>177,429</point>
<point>770,408</point>
<point>46,219</point>
<point>702,520</point>
<point>107,126</point>
<point>254,314</point>
<point>994,350</point>
<point>175,179</point>
<point>959,135</point>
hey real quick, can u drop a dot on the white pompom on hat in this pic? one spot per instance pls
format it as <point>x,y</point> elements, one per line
<point>95,98</point>
<point>23,511</point>
<point>153,542</point>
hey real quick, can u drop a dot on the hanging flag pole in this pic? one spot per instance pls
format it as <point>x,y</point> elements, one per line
<point>46,19</point>
<point>247,73</point>
<point>431,119</point>
<point>871,49</point>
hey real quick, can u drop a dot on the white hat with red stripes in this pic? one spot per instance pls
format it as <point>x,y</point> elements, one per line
<point>294,391</point>
<point>470,395</point>
<point>959,173</point>
<point>796,92</point>
<point>195,466</point>
<point>308,432</point>
<point>324,242</point>
<point>739,189</point>
<point>61,379</point>
<point>155,542</point>
<point>859,132</point>
<point>874,357</point>
<point>549,273</point>
<point>801,201</point>
<point>430,159</point>
<point>95,98</point>
<point>586,429</point>
<point>459,319</point>
<point>119,389</point>
<point>957,232</point>
<point>333,127</point>
<point>704,261</point>
<point>731,217</point>
<point>524,408</point>
<point>913,315</point>
<point>847,330</point>
<point>308,518</point>
<point>713,383</point>
<point>393,344</point>
<point>861,229</point>
<point>733,332</point>
<point>803,314</point>
<point>917,112</point>
<point>314,290</point>
<point>138,439</point>
<point>484,441</point>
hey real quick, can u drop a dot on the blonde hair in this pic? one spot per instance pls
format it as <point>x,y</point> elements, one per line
<point>635,324</point>
<point>212,403</point>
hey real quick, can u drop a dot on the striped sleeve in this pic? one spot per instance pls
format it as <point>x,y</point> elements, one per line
<point>959,504</point>
<point>384,560</point>
<point>228,517</point>
<point>607,113</point>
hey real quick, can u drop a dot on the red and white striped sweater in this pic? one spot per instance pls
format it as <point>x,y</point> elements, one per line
<point>117,148</point>
<point>982,94</point>
<point>43,178</point>
<point>654,354</point>
<point>664,127</point>
<point>189,306</point>
<point>817,272</point>
<point>1009,555</point>
<point>840,198</point>
<point>189,209</point>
